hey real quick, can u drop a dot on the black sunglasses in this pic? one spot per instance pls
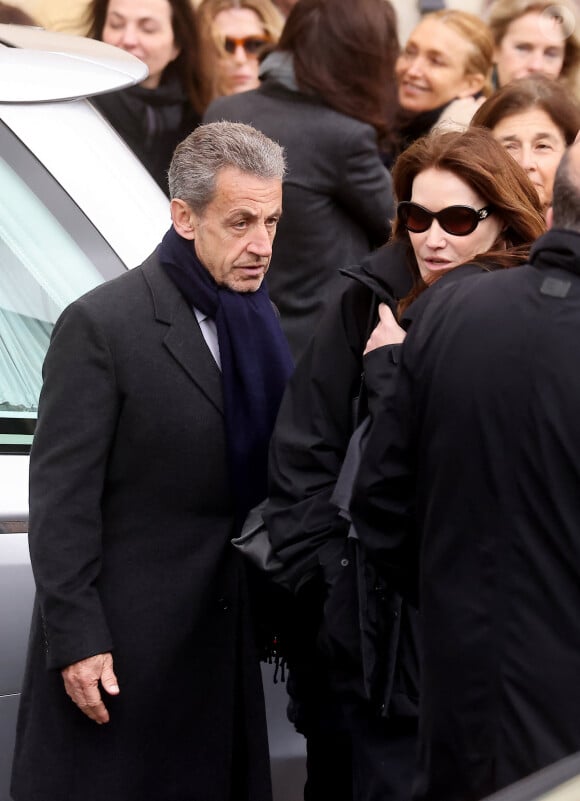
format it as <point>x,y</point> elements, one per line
<point>455,220</point>
<point>253,45</point>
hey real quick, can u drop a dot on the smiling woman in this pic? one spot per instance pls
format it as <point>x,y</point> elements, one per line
<point>156,115</point>
<point>443,72</point>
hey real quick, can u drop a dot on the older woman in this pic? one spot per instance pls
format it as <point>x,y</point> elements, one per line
<point>463,201</point>
<point>236,33</point>
<point>443,72</point>
<point>535,119</point>
<point>156,115</point>
<point>535,36</point>
<point>327,96</point>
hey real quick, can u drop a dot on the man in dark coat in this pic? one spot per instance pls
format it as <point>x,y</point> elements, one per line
<point>160,392</point>
<point>472,470</point>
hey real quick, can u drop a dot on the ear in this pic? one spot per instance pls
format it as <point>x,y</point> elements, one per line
<point>184,220</point>
<point>471,84</point>
<point>549,217</point>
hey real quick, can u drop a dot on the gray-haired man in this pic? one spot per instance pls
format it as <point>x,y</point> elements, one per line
<point>160,392</point>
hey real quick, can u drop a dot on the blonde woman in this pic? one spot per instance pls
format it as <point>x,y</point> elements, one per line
<point>235,34</point>
<point>533,37</point>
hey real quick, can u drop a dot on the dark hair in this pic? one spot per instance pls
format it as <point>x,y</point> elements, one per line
<point>344,52</point>
<point>185,32</point>
<point>566,197</point>
<point>524,94</point>
<point>484,165</point>
<point>14,15</point>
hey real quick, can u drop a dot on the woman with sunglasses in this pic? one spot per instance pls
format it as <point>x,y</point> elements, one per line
<point>156,115</point>
<point>236,33</point>
<point>327,95</point>
<point>465,206</point>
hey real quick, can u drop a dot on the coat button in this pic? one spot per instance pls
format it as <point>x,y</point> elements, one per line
<point>223,604</point>
<point>344,562</point>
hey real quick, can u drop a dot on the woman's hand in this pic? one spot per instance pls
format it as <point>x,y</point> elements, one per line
<point>387,331</point>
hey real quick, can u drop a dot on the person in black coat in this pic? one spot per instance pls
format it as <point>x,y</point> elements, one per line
<point>327,95</point>
<point>362,683</point>
<point>471,470</point>
<point>160,391</point>
<point>156,115</point>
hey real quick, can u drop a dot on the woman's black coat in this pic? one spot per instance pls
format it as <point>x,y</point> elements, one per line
<point>314,426</point>
<point>130,525</point>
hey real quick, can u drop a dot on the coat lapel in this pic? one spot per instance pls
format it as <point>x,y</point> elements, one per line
<point>183,339</point>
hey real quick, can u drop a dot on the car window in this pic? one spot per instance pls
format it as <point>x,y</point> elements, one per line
<point>49,255</point>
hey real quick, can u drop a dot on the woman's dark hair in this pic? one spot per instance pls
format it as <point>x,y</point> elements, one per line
<point>524,94</point>
<point>14,15</point>
<point>344,52</point>
<point>484,165</point>
<point>185,32</point>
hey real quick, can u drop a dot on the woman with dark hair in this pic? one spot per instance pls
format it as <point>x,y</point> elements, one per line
<point>535,119</point>
<point>465,207</point>
<point>159,113</point>
<point>327,95</point>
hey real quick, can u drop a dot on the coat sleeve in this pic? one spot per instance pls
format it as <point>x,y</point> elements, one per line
<point>310,440</point>
<point>77,416</point>
<point>383,502</point>
<point>365,186</point>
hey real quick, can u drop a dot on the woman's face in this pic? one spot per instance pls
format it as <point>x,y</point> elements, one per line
<point>531,45</point>
<point>241,34</point>
<point>535,142</point>
<point>431,69</point>
<point>437,252</point>
<point>143,28</point>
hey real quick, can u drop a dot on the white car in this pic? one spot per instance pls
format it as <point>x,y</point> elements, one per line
<point>76,208</point>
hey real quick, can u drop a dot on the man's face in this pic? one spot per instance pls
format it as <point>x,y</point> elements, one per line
<point>233,236</point>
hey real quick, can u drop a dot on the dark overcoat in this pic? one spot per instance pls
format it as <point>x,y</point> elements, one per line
<point>482,468</point>
<point>337,197</point>
<point>130,527</point>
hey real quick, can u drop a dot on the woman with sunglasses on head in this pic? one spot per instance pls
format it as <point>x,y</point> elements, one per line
<point>235,35</point>
<point>156,115</point>
<point>465,207</point>
<point>327,96</point>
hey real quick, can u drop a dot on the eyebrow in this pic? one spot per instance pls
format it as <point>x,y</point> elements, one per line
<point>517,138</point>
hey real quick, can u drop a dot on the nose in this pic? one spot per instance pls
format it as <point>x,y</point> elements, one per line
<point>414,65</point>
<point>526,158</point>
<point>436,237</point>
<point>128,37</point>
<point>535,62</point>
<point>240,56</point>
<point>261,243</point>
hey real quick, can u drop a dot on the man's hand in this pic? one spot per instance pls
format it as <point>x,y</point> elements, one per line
<point>81,681</point>
<point>387,331</point>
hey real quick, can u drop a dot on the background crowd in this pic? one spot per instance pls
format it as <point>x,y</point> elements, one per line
<point>417,145</point>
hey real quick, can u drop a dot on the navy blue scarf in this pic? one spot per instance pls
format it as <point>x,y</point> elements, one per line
<point>255,361</point>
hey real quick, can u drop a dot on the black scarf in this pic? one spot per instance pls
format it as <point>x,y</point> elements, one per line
<point>255,361</point>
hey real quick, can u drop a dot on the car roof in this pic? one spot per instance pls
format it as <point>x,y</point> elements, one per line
<point>43,66</point>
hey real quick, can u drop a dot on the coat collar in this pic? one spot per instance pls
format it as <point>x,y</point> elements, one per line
<point>557,248</point>
<point>183,338</point>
